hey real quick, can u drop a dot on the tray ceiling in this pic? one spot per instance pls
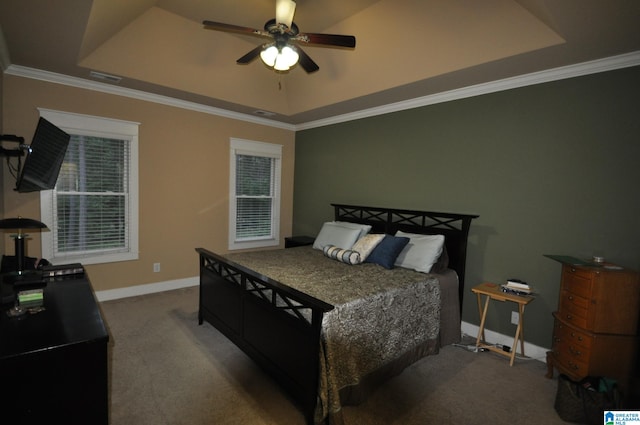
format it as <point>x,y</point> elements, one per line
<point>405,48</point>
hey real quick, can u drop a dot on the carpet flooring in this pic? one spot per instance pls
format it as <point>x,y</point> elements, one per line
<point>166,369</point>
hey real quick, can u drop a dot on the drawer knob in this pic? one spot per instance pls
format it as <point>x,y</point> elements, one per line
<point>574,351</point>
<point>570,297</point>
<point>573,335</point>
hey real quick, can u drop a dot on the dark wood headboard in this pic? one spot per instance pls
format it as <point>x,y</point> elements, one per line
<point>454,227</point>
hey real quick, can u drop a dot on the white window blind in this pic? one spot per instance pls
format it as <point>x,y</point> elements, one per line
<point>92,211</point>
<point>255,194</point>
<point>91,199</point>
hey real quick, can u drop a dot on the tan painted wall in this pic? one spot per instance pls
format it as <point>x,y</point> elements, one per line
<point>183,176</point>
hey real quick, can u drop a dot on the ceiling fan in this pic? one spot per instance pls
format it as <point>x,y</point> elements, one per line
<point>282,53</point>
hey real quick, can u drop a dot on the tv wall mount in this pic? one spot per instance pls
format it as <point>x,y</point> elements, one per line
<point>19,151</point>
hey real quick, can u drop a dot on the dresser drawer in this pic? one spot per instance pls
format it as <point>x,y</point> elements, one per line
<point>570,337</point>
<point>570,298</point>
<point>577,281</point>
<point>575,368</point>
<point>572,350</point>
<point>573,308</point>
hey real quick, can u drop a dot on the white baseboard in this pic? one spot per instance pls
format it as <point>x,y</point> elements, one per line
<point>532,351</point>
<point>149,288</point>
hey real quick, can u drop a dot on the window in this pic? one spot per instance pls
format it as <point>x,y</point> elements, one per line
<point>254,206</point>
<point>92,213</point>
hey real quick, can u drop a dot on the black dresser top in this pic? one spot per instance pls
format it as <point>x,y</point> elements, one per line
<point>70,316</point>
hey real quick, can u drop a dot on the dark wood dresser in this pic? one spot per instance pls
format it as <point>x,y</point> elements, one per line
<point>53,364</point>
<point>596,325</point>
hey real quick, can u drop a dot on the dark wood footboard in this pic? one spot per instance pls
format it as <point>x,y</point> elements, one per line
<point>274,324</point>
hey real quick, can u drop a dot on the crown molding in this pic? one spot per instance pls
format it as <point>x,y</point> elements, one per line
<point>52,77</point>
<point>554,74</point>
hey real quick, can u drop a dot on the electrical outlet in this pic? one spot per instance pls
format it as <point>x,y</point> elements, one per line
<point>156,269</point>
<point>515,317</point>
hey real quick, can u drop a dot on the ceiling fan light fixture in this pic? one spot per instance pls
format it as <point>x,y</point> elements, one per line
<point>281,66</point>
<point>280,60</point>
<point>284,12</point>
<point>269,55</point>
<point>279,54</point>
<point>289,56</point>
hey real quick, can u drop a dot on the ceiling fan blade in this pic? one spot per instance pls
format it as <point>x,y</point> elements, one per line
<point>219,26</point>
<point>306,62</point>
<point>250,56</point>
<point>328,39</point>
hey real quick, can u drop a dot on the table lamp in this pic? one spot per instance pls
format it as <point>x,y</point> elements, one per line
<point>19,224</point>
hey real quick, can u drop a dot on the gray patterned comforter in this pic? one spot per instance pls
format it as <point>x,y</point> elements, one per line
<point>380,315</point>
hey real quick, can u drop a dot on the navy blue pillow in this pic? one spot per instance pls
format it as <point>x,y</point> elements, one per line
<point>386,252</point>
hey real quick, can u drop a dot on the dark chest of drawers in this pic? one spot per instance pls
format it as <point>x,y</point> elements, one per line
<point>54,364</point>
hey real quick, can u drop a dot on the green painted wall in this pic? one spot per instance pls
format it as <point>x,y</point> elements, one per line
<point>550,168</point>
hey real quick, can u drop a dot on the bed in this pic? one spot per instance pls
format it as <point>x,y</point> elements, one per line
<point>328,331</point>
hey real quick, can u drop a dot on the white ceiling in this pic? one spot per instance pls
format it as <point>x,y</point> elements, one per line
<point>405,48</point>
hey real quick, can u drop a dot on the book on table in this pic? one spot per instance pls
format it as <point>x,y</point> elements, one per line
<point>517,287</point>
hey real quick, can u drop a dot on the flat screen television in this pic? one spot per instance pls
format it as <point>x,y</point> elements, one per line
<point>44,158</point>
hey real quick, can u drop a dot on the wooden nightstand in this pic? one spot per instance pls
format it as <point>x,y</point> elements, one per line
<point>493,291</point>
<point>293,241</point>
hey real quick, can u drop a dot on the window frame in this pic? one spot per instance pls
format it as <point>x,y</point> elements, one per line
<point>89,125</point>
<point>262,149</point>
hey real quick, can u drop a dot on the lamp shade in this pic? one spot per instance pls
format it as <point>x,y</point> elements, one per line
<point>284,12</point>
<point>21,223</point>
<point>287,58</point>
<point>269,55</point>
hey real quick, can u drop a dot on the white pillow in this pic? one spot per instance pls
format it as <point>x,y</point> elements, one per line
<point>366,244</point>
<point>333,233</point>
<point>364,228</point>
<point>421,252</point>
